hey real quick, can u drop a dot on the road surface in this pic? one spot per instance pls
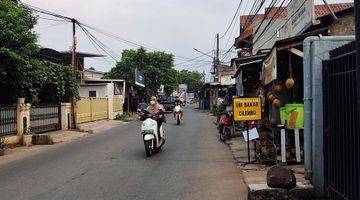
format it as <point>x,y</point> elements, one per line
<point>112,165</point>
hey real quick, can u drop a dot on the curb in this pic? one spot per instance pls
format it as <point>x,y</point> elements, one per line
<point>259,190</point>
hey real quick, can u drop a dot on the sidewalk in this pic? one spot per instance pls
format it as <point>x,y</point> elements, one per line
<point>59,137</point>
<point>254,176</point>
<point>99,126</point>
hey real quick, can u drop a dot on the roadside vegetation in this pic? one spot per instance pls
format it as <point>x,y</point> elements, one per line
<point>22,73</point>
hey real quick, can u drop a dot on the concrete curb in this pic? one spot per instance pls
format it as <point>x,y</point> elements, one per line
<point>254,176</point>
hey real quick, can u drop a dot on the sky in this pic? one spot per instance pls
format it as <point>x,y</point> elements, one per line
<point>173,26</point>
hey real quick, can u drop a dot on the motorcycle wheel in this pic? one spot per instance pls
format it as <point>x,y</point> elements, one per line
<point>225,134</point>
<point>178,120</point>
<point>148,149</point>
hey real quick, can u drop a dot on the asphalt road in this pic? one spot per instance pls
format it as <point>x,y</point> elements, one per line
<point>112,165</point>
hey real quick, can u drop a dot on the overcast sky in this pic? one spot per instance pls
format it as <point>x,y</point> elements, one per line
<point>175,26</point>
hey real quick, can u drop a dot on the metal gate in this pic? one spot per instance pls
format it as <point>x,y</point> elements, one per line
<point>8,119</point>
<point>92,109</point>
<point>341,139</point>
<point>44,118</point>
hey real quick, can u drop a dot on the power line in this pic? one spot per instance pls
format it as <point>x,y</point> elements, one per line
<point>272,20</point>
<point>283,24</point>
<point>251,15</point>
<point>101,45</point>
<point>50,19</point>
<point>128,42</point>
<point>272,3</point>
<point>251,18</point>
<point>191,59</point>
<point>233,19</point>
<point>53,25</point>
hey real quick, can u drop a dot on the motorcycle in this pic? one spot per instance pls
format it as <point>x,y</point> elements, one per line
<point>225,124</point>
<point>153,135</point>
<point>177,111</point>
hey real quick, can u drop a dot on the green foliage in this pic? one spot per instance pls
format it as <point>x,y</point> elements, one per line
<point>2,143</point>
<point>157,67</point>
<point>218,109</point>
<point>21,74</point>
<point>121,117</point>
<point>193,79</point>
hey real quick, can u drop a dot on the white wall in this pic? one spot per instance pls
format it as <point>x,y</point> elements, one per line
<point>92,75</point>
<point>101,90</point>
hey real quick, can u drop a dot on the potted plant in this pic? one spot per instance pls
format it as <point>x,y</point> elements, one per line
<point>2,146</point>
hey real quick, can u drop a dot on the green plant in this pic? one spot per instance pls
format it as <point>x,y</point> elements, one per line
<point>22,74</point>
<point>2,143</point>
<point>120,117</point>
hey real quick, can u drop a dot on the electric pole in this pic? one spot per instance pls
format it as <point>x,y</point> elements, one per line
<point>74,70</point>
<point>217,57</point>
<point>217,49</point>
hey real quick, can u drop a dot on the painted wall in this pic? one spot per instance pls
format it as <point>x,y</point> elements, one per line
<point>101,90</point>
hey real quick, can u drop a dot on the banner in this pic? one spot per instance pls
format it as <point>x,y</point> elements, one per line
<point>139,78</point>
<point>300,16</point>
<point>183,88</point>
<point>269,71</point>
<point>239,85</point>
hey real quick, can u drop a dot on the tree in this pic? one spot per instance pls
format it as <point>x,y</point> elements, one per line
<point>157,67</point>
<point>21,73</point>
<point>193,79</point>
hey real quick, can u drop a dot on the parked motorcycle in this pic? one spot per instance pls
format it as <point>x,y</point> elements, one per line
<point>177,113</point>
<point>225,124</point>
<point>153,135</point>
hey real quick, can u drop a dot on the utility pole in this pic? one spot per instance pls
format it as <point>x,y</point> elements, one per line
<point>357,33</point>
<point>74,70</point>
<point>217,49</point>
<point>217,57</point>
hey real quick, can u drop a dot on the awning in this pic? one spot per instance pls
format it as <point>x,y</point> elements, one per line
<point>248,61</point>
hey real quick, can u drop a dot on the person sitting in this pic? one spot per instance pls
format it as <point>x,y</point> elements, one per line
<point>178,102</point>
<point>155,110</point>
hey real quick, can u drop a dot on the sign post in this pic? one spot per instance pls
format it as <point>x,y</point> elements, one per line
<point>247,109</point>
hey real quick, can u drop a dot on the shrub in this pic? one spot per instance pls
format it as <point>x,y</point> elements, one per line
<point>2,143</point>
<point>120,117</point>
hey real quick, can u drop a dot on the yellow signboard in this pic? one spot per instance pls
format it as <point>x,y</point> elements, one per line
<point>247,109</point>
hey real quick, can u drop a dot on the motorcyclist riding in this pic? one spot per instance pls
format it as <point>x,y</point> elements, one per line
<point>155,110</point>
<point>179,102</point>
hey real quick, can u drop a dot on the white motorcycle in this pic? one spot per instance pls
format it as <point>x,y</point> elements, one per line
<point>177,111</point>
<point>152,141</point>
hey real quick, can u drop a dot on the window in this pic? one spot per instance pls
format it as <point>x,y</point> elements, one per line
<point>92,93</point>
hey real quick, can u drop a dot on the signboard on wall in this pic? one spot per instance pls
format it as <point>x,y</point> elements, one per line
<point>300,16</point>
<point>247,109</point>
<point>227,80</point>
<point>139,78</point>
<point>161,90</point>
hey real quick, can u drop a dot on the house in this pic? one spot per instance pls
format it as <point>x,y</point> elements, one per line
<point>253,37</point>
<point>278,55</point>
<point>108,93</point>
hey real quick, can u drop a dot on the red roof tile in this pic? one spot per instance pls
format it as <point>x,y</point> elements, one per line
<point>322,10</point>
